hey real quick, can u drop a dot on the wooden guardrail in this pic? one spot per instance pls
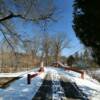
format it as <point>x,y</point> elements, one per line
<point>76,70</point>
<point>57,64</point>
<point>30,76</point>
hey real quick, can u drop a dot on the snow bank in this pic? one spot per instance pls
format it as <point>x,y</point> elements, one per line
<point>17,74</point>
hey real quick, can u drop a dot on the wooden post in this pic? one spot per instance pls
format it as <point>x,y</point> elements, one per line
<point>28,79</point>
<point>29,76</point>
<point>82,75</point>
<point>41,67</point>
<point>41,64</point>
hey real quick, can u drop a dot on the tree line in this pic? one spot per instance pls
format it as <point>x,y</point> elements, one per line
<point>41,47</point>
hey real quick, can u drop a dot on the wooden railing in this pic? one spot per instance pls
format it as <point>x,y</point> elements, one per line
<point>30,76</point>
<point>76,70</point>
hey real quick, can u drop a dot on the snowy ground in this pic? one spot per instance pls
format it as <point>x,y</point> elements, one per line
<point>19,90</point>
<point>89,86</point>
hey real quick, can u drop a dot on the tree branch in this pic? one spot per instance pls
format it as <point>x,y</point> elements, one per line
<point>12,15</point>
<point>7,40</point>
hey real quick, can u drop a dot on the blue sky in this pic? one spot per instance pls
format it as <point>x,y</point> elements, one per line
<point>75,43</point>
<point>63,24</point>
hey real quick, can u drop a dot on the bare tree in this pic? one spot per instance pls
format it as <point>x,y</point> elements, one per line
<point>36,42</point>
<point>46,46</point>
<point>59,43</point>
<point>31,46</point>
<point>33,10</point>
<point>30,10</point>
<point>27,10</point>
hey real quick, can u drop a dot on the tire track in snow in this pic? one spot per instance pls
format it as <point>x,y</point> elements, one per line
<point>71,90</point>
<point>45,91</point>
<point>58,92</point>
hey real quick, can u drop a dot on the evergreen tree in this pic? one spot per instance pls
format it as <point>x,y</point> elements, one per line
<point>70,60</point>
<point>86,24</point>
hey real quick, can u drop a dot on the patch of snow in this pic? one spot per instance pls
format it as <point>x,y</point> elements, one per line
<point>20,90</point>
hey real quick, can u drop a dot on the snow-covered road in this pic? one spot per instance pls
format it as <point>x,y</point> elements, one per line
<point>53,84</point>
